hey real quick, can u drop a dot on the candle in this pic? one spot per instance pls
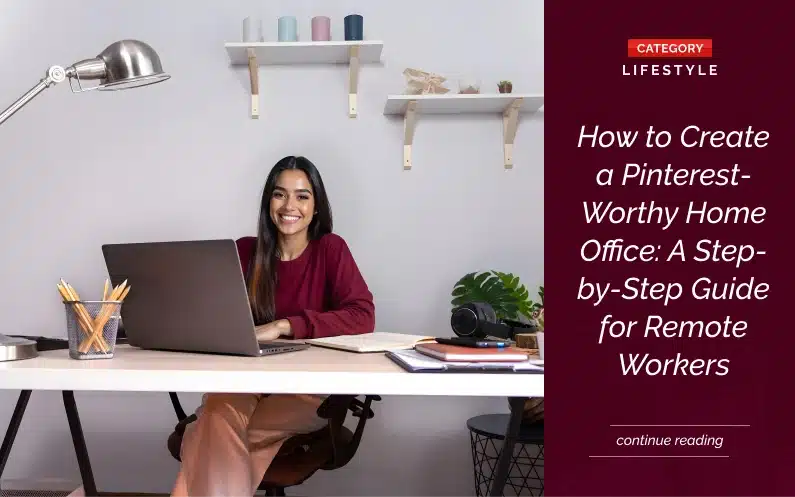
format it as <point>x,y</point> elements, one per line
<point>321,28</point>
<point>354,29</point>
<point>288,28</point>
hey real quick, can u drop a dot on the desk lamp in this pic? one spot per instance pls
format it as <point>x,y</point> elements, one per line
<point>122,65</point>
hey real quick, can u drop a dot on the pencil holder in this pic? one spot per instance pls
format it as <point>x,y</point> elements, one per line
<point>91,328</point>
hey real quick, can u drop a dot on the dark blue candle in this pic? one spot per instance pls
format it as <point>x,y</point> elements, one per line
<point>354,27</point>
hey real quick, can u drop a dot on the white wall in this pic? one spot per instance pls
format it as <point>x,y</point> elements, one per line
<point>183,160</point>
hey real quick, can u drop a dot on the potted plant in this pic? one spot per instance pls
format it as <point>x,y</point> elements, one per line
<point>505,86</point>
<point>510,299</point>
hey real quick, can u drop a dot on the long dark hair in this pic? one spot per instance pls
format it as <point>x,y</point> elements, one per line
<point>262,269</point>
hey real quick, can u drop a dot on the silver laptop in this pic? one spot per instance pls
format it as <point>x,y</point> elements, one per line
<point>187,296</point>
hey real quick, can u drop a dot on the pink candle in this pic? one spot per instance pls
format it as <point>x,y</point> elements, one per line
<point>321,28</point>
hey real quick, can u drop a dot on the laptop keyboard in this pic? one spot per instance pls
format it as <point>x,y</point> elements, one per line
<point>271,346</point>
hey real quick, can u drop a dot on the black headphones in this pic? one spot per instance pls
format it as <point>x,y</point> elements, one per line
<point>478,320</point>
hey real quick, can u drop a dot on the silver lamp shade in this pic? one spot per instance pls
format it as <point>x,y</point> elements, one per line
<point>122,65</point>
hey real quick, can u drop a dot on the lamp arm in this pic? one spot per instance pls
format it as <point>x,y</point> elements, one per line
<point>55,75</point>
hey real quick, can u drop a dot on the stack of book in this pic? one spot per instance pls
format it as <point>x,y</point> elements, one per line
<point>436,357</point>
<point>418,353</point>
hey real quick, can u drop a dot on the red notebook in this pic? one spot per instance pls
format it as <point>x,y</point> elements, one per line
<point>457,353</point>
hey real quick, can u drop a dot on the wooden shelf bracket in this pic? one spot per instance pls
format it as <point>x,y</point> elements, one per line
<point>353,80</point>
<point>253,71</point>
<point>509,106</point>
<point>353,53</point>
<point>409,123</point>
<point>510,121</point>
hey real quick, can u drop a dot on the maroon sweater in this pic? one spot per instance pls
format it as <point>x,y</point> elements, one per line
<point>322,293</point>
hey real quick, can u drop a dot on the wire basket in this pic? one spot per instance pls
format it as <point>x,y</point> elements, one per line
<point>92,327</point>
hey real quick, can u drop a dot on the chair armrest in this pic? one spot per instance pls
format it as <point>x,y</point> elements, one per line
<point>177,406</point>
<point>335,408</point>
<point>363,413</point>
<point>359,408</point>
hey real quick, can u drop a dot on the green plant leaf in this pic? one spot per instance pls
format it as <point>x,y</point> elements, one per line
<point>484,287</point>
<point>519,294</point>
<point>503,291</point>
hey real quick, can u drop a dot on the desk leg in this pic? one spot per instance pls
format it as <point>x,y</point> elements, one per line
<point>13,428</point>
<point>79,441</point>
<point>506,453</point>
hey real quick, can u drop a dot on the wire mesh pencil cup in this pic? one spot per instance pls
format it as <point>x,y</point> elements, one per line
<point>92,327</point>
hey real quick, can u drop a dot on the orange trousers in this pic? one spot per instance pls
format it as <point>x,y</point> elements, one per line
<point>228,449</point>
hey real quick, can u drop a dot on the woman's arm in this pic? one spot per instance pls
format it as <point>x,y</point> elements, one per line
<point>352,311</point>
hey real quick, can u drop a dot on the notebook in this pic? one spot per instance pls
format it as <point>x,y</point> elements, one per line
<point>414,362</point>
<point>379,341</point>
<point>458,353</point>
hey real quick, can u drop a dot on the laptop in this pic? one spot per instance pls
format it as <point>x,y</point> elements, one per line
<point>187,296</point>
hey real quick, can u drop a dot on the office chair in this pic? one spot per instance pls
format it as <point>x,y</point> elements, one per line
<point>329,448</point>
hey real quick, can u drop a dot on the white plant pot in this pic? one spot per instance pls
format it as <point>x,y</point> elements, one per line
<point>540,340</point>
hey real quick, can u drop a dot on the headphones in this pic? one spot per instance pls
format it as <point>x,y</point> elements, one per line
<point>478,320</point>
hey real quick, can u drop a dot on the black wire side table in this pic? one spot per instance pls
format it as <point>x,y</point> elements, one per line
<point>526,471</point>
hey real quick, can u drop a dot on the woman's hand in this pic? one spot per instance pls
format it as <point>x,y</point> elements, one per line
<point>273,330</point>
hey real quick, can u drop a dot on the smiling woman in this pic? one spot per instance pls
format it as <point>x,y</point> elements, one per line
<point>302,282</point>
<point>302,279</point>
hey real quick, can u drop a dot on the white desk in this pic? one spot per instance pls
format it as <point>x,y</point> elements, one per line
<point>315,370</point>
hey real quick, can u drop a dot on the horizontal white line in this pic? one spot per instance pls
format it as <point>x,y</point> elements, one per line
<point>659,457</point>
<point>681,426</point>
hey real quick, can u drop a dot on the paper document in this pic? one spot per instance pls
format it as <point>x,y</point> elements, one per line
<point>371,342</point>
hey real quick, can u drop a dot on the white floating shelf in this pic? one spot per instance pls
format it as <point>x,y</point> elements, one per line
<point>278,53</point>
<point>304,52</point>
<point>510,105</point>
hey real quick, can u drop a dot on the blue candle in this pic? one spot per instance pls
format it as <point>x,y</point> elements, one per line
<point>354,27</point>
<point>288,28</point>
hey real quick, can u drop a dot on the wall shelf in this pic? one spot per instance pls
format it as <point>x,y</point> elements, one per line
<point>352,53</point>
<point>510,105</point>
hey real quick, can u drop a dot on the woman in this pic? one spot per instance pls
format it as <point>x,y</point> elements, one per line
<point>302,283</point>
